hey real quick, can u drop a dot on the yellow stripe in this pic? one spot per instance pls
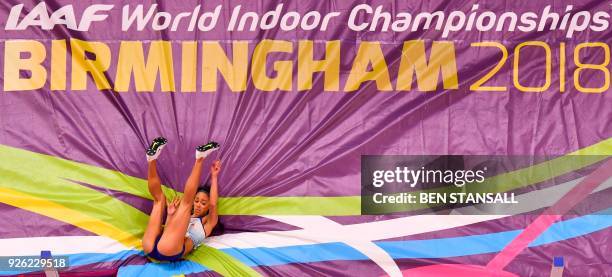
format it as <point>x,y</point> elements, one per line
<point>61,213</point>
<point>603,147</point>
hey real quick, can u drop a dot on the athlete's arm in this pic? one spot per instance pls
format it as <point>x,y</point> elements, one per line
<point>212,219</point>
<point>171,208</point>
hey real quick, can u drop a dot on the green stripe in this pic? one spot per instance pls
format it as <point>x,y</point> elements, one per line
<point>299,205</point>
<point>535,174</point>
<point>46,165</point>
<point>36,175</point>
<point>220,262</point>
<point>76,197</point>
<point>302,205</point>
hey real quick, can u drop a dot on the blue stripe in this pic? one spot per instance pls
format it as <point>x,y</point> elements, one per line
<point>149,269</point>
<point>90,258</point>
<point>161,269</point>
<point>82,259</point>
<point>448,247</point>
<point>295,254</point>
<point>432,248</point>
<point>575,227</point>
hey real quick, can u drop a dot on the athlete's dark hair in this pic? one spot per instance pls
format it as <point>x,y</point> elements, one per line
<point>205,189</point>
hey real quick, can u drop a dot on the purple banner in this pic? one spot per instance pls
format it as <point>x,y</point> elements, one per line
<point>296,92</point>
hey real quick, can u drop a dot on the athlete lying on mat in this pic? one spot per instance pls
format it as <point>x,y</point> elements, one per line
<point>189,219</point>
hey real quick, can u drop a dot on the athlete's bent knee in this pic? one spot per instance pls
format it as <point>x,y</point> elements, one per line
<point>147,246</point>
<point>168,249</point>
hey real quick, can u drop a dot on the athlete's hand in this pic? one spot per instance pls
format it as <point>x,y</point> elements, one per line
<point>215,168</point>
<point>171,206</point>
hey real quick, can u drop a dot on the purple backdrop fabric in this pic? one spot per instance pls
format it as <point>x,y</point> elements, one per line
<point>309,143</point>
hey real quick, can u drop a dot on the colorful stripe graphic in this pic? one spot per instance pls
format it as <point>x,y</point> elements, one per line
<point>100,219</point>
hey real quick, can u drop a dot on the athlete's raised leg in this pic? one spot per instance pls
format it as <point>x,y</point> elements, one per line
<point>172,240</point>
<point>154,227</point>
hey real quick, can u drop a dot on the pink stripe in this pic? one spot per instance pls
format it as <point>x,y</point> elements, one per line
<point>455,270</point>
<point>552,214</point>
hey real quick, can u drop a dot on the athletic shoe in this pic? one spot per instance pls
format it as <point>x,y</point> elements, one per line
<point>155,148</point>
<point>203,151</point>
